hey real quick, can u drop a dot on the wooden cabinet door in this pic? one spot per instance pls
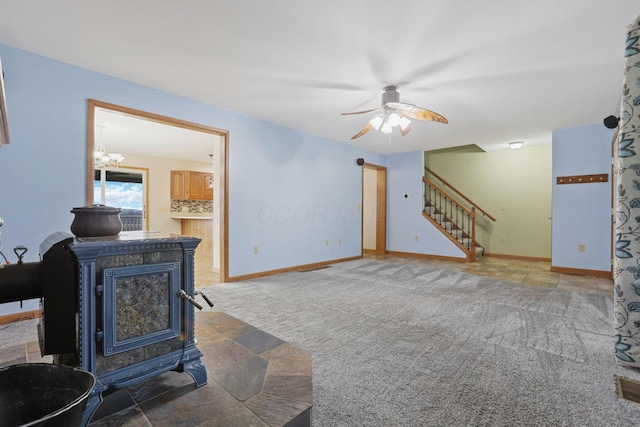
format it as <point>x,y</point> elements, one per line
<point>195,185</point>
<point>207,192</point>
<point>178,183</point>
<point>191,185</point>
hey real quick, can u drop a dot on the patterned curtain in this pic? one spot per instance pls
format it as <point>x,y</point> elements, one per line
<point>626,271</point>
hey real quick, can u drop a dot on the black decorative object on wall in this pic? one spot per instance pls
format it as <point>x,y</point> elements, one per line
<point>611,122</point>
<point>360,161</point>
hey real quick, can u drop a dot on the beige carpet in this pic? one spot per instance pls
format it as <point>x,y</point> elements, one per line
<point>408,345</point>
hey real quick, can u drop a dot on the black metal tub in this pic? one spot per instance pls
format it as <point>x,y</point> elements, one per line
<point>43,394</point>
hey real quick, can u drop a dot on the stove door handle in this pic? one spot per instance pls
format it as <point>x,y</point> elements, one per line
<point>205,297</point>
<point>183,294</point>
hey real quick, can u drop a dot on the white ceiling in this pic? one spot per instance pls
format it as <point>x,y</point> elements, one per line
<point>499,70</point>
<point>123,133</point>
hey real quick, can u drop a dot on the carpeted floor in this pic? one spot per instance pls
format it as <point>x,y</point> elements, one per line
<point>409,345</point>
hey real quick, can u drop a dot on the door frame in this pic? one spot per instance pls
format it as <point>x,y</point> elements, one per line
<point>92,104</point>
<point>381,209</point>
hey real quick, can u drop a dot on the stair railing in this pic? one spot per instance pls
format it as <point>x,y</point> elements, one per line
<point>460,195</point>
<point>448,210</point>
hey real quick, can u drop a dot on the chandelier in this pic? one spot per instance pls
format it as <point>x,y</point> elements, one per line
<point>102,159</point>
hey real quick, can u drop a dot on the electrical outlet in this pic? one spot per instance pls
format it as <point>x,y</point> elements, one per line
<point>255,250</point>
<point>339,241</point>
<point>326,242</point>
<point>417,238</point>
<point>581,247</point>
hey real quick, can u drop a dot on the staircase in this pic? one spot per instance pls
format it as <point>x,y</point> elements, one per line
<point>448,214</point>
<point>455,232</point>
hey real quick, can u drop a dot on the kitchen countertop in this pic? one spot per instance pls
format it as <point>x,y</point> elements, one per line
<point>188,215</point>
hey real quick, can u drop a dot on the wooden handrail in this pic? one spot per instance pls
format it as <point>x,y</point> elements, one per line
<point>431,183</point>
<point>460,194</point>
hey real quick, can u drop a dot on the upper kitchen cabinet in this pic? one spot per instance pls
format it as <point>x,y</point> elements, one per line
<point>191,185</point>
<point>207,188</point>
<point>198,186</point>
<point>178,184</point>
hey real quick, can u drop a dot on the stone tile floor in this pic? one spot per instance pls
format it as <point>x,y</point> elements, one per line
<point>254,379</point>
<point>534,273</point>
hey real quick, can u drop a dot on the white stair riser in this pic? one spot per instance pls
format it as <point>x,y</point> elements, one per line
<point>448,226</point>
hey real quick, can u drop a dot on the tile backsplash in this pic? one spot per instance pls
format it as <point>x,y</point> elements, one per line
<point>192,206</point>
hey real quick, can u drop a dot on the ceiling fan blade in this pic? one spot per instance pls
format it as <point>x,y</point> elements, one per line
<point>417,113</point>
<point>366,129</point>
<point>406,130</point>
<point>362,112</point>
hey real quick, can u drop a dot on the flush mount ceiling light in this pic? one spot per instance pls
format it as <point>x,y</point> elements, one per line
<point>516,144</point>
<point>395,115</point>
<point>102,159</point>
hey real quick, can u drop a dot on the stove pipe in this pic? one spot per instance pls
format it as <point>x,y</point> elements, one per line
<point>20,282</point>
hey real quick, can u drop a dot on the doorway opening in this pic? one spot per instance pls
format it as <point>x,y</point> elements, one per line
<point>374,209</point>
<point>142,150</point>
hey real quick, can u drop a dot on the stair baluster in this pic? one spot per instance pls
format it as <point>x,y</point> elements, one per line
<point>452,218</point>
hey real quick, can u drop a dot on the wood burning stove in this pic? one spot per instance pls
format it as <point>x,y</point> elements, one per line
<point>120,307</point>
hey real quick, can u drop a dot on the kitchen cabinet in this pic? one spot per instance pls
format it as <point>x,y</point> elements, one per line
<point>178,184</point>
<point>207,191</point>
<point>191,185</point>
<point>202,229</point>
<point>198,186</point>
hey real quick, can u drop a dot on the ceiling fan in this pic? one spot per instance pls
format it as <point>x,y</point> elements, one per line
<point>395,115</point>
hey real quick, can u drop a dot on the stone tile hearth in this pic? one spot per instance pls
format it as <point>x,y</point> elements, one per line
<point>254,379</point>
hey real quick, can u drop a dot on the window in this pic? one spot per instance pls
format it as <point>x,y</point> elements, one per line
<point>122,188</point>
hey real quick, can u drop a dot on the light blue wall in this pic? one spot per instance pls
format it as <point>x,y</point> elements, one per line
<point>293,195</point>
<point>288,191</point>
<point>404,219</point>
<point>581,213</point>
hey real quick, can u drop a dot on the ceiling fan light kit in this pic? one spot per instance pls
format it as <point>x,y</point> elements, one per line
<point>395,115</point>
<point>386,122</point>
